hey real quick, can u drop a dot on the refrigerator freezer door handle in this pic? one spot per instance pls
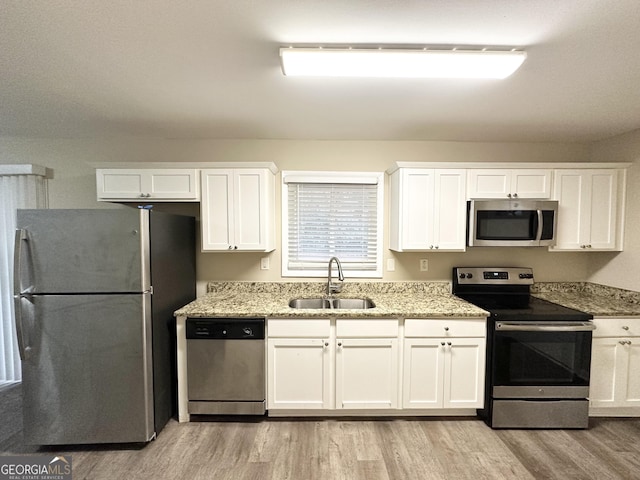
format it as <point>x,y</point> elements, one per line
<point>21,238</point>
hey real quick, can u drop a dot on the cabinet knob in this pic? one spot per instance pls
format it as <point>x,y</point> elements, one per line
<point>431,246</point>
<point>625,327</point>
<point>588,246</point>
<point>437,247</point>
<point>449,343</point>
<point>339,344</point>
<point>442,343</point>
<point>446,329</point>
<point>515,195</point>
<point>508,195</point>
<point>326,344</point>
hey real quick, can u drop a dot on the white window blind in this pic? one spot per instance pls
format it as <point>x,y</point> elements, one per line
<point>331,216</point>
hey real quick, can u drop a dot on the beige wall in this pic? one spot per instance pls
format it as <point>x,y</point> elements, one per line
<point>621,270</point>
<point>73,186</point>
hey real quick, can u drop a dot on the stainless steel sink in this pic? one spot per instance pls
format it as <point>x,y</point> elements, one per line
<point>332,303</point>
<point>353,303</point>
<point>310,303</point>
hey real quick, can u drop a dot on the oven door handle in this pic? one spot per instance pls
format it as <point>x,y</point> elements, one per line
<point>545,327</point>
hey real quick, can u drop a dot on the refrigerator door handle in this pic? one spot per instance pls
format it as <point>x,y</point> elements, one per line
<point>23,349</point>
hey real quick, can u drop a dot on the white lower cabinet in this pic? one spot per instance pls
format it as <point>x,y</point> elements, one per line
<point>298,364</point>
<point>367,373</point>
<point>614,388</point>
<point>358,366</point>
<point>444,364</point>
<point>299,373</point>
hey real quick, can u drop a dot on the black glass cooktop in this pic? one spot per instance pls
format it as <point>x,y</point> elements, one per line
<point>525,308</point>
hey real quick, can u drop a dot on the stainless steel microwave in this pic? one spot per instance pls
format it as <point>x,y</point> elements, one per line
<point>511,223</point>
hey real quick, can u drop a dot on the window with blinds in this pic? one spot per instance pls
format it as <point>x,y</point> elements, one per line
<point>332,215</point>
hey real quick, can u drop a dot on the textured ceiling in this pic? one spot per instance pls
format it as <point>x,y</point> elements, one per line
<point>210,69</point>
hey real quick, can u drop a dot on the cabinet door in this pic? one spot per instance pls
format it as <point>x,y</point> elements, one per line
<point>147,184</point>
<point>450,212</point>
<point>252,209</point>
<point>464,373</point>
<point>427,210</point>
<point>423,376</point>
<point>217,211</point>
<point>174,184</point>
<point>570,190</point>
<point>587,213</point>
<point>367,373</point>
<point>298,373</point>
<point>121,184</point>
<point>615,363</point>
<point>516,183</point>
<point>238,210</point>
<point>489,183</point>
<point>531,183</point>
<point>415,192</point>
<point>605,371</point>
<point>602,210</point>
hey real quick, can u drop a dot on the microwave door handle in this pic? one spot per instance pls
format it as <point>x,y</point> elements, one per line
<point>540,225</point>
<point>543,327</point>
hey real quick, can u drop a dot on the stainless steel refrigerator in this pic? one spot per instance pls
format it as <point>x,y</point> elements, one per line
<point>95,292</point>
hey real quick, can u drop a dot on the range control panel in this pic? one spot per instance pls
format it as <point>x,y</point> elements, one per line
<point>493,276</point>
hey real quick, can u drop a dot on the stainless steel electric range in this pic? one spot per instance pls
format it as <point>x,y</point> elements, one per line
<point>538,352</point>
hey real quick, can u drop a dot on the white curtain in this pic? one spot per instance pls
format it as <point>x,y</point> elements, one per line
<point>21,186</point>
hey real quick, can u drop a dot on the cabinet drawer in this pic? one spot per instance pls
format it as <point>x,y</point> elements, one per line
<point>361,328</point>
<point>616,327</point>
<point>454,327</point>
<point>298,327</point>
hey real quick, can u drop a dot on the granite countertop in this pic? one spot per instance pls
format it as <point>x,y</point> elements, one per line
<point>598,300</point>
<point>392,299</point>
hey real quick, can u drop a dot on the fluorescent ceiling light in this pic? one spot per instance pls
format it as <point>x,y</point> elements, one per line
<point>393,62</point>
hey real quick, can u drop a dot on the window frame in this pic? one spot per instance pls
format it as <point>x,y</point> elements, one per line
<point>376,178</point>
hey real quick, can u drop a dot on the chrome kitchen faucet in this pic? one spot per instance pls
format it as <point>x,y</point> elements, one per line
<point>334,287</point>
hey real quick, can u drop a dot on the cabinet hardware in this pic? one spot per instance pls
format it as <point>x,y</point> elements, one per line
<point>625,327</point>
<point>446,329</point>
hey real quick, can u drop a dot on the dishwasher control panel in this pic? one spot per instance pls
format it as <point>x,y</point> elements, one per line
<point>225,328</point>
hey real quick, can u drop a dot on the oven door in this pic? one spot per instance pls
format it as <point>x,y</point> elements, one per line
<point>549,359</point>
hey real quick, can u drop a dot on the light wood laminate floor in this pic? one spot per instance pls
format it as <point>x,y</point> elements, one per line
<point>329,449</point>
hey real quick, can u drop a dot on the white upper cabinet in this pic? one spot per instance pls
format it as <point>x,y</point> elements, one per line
<point>427,209</point>
<point>238,209</point>
<point>139,185</point>
<point>588,213</point>
<point>509,183</point>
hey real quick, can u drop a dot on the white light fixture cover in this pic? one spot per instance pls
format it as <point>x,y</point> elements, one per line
<point>400,63</point>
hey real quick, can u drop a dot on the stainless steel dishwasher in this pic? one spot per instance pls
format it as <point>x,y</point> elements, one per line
<point>226,366</point>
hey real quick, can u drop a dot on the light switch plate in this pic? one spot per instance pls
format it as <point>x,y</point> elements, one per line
<point>264,263</point>
<point>424,265</point>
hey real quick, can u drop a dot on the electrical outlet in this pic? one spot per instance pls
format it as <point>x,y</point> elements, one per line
<point>264,263</point>
<point>391,265</point>
<point>424,265</point>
